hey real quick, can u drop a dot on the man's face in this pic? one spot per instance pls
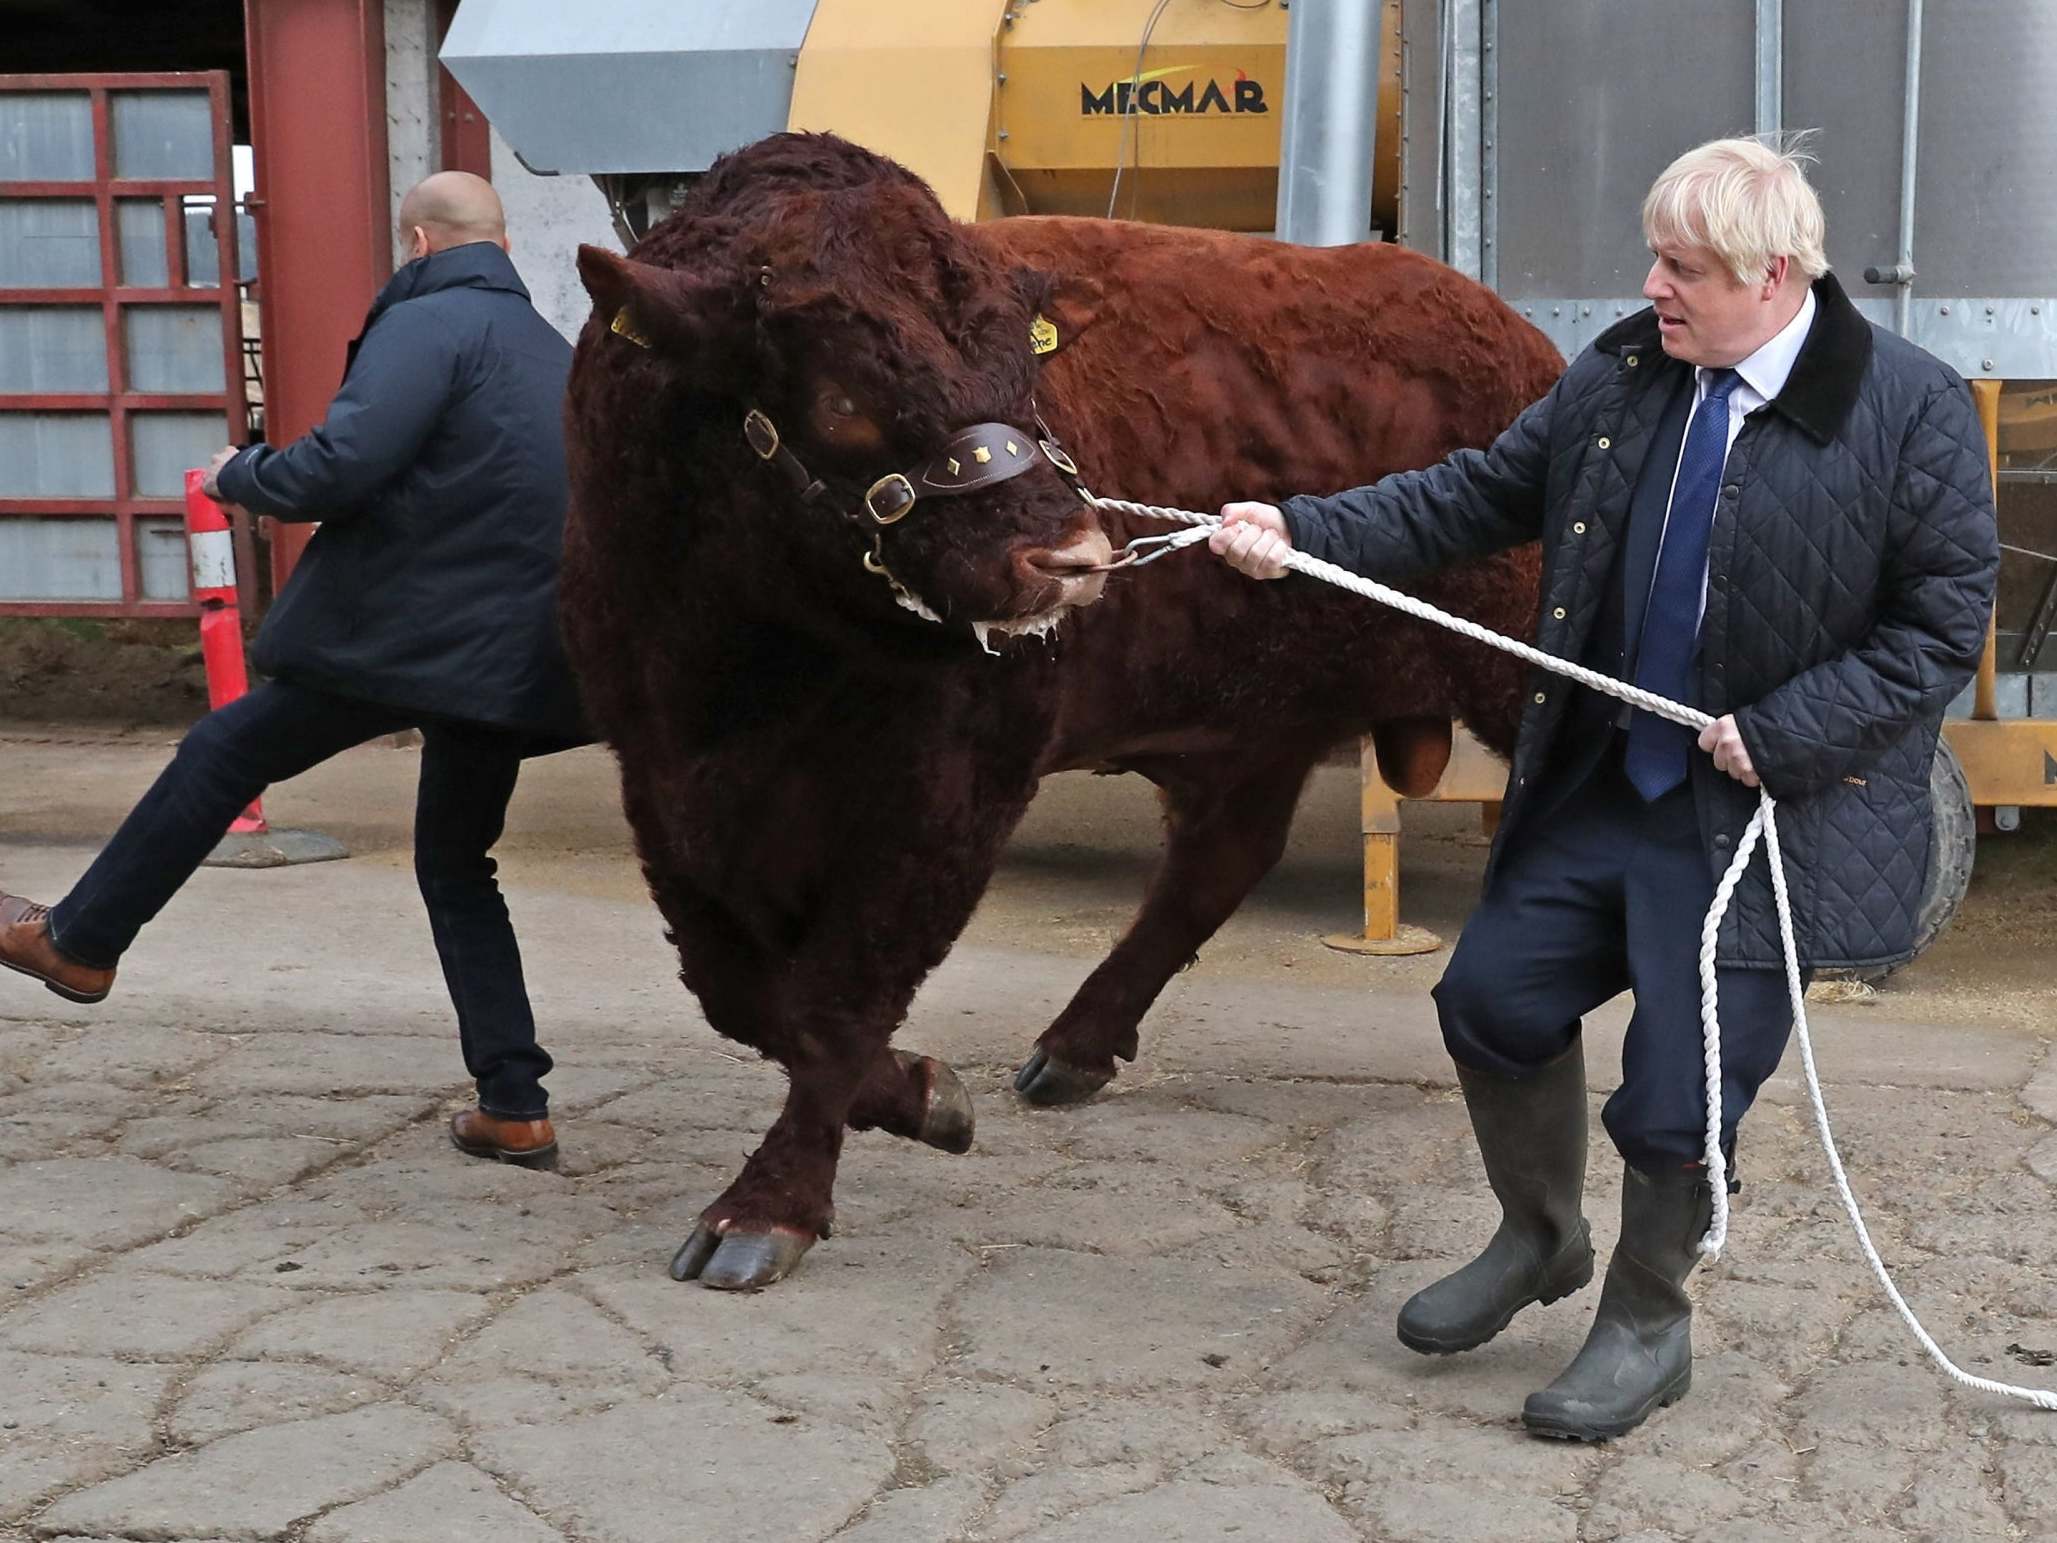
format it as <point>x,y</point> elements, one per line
<point>1703,315</point>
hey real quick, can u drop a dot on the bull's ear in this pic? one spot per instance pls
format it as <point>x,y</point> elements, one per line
<point>1072,303</point>
<point>673,312</point>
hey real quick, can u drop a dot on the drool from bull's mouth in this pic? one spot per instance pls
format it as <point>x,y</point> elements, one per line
<point>1029,627</point>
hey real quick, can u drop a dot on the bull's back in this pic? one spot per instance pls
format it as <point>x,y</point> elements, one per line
<point>1199,365</point>
<point>1196,367</point>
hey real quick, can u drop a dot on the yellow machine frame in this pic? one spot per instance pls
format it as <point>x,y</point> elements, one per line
<point>1014,106</point>
<point>2006,760</point>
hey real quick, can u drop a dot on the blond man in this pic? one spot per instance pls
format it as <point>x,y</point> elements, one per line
<point>1752,500</point>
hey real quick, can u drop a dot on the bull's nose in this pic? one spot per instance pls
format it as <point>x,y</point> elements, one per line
<point>1084,552</point>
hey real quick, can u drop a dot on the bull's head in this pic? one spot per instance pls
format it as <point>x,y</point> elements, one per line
<point>862,374</point>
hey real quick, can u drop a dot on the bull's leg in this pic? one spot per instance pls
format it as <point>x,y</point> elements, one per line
<point>840,1074</point>
<point>781,1202</point>
<point>915,1096</point>
<point>1226,823</point>
<point>902,1092</point>
<point>821,996</point>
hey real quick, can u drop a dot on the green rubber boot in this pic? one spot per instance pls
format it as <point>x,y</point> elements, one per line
<point>1532,1134</point>
<point>1639,1356</point>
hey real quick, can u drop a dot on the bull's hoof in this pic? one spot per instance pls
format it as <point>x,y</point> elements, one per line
<point>947,1117</point>
<point>1044,1079</point>
<point>739,1261</point>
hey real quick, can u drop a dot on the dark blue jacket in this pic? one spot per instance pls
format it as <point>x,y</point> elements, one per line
<point>1850,577</point>
<point>438,476</point>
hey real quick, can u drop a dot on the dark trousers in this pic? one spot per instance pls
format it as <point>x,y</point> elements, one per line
<point>278,731</point>
<point>1603,894</point>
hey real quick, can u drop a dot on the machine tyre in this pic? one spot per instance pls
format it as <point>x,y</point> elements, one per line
<point>1952,846</point>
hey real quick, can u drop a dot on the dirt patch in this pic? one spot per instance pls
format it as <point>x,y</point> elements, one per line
<point>74,670</point>
<point>2013,894</point>
<point>1994,957</point>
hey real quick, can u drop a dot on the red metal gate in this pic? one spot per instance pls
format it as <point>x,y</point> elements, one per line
<point>120,335</point>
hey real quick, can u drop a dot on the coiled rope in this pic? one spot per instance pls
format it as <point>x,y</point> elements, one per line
<point>1763,825</point>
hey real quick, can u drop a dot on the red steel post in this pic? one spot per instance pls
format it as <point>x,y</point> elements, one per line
<point>324,231</point>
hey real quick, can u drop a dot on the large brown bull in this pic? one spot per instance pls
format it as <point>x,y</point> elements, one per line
<point>830,707</point>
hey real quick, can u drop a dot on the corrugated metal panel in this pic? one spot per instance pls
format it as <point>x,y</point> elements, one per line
<point>55,455</point>
<point>173,347</point>
<point>163,134</point>
<point>633,85</point>
<point>164,565</point>
<point>1572,164</point>
<point>1846,80</point>
<point>1575,159</point>
<point>139,239</point>
<point>55,348</point>
<point>47,242</point>
<point>62,558</point>
<point>1985,198</point>
<point>46,136</point>
<point>164,444</point>
<point>1421,129</point>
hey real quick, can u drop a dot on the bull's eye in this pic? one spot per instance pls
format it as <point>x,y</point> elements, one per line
<point>840,424</point>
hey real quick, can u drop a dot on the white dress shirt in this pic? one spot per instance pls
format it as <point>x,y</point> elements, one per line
<point>1763,376</point>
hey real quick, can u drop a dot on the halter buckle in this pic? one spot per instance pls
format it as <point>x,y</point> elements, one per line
<point>761,433</point>
<point>888,500</point>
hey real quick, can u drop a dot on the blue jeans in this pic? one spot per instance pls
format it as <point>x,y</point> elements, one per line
<point>278,731</point>
<point>1606,894</point>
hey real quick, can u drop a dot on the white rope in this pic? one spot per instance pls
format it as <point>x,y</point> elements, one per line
<point>1763,825</point>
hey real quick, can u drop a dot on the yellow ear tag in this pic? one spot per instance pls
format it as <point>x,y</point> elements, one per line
<point>1042,336</point>
<point>624,327</point>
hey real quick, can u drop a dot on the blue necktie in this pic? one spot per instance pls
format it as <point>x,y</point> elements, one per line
<point>1657,749</point>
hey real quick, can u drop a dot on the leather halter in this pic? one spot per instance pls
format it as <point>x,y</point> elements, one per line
<point>982,456</point>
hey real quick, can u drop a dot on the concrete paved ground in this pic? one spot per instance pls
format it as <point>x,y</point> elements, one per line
<point>248,1292</point>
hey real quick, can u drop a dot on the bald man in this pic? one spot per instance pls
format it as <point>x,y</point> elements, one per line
<point>426,600</point>
<point>452,208</point>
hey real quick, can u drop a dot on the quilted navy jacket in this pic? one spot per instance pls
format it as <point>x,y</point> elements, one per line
<point>438,476</point>
<point>1850,575</point>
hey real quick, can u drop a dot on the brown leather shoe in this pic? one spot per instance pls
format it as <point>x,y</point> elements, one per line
<point>476,1133</point>
<point>25,947</point>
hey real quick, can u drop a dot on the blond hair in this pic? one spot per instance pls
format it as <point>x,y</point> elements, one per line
<point>1746,200</point>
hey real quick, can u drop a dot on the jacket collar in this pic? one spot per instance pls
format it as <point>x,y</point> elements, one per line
<point>475,265</point>
<point>1823,386</point>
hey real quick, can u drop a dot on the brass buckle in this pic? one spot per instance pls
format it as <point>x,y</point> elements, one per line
<point>893,512</point>
<point>761,433</point>
<point>1055,453</point>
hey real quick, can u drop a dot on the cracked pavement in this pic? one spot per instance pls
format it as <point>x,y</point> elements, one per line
<point>248,1291</point>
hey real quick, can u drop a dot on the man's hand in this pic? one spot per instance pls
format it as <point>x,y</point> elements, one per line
<point>209,485</point>
<point>1724,741</point>
<point>1252,539</point>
